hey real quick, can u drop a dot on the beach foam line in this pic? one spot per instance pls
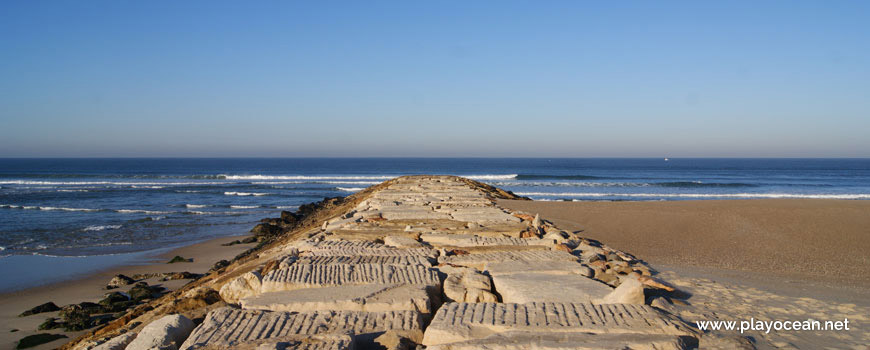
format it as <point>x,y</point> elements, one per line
<point>245,194</point>
<point>244,206</point>
<point>701,195</point>
<point>195,206</point>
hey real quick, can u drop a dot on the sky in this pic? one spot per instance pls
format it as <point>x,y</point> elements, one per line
<point>434,79</point>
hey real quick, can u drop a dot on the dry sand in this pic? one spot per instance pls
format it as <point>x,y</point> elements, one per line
<point>91,288</point>
<point>814,239</point>
<point>741,259</point>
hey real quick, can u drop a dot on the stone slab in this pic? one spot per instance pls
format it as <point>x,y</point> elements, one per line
<point>457,322</point>
<point>530,287</point>
<point>569,341</point>
<point>367,297</point>
<point>554,267</point>
<point>480,259</point>
<point>464,240</point>
<point>298,276</point>
<point>227,327</point>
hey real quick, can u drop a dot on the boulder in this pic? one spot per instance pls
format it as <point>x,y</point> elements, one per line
<point>117,343</point>
<point>47,307</point>
<point>468,285</point>
<point>38,339</point>
<point>142,291</point>
<point>242,287</point>
<point>630,291</point>
<point>119,281</point>
<point>168,332</point>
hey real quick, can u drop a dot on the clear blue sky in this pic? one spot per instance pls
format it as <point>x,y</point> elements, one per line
<point>435,78</point>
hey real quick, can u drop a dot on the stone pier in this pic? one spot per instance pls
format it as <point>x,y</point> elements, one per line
<point>432,262</point>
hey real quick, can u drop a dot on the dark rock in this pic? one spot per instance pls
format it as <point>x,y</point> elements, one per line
<point>219,265</point>
<point>289,218</point>
<point>47,307</point>
<point>116,301</point>
<point>178,259</point>
<point>181,276</point>
<point>248,240</point>
<point>231,243</point>
<point>76,318</point>
<point>50,323</point>
<point>38,339</point>
<point>142,291</point>
<point>266,230</point>
<point>118,281</point>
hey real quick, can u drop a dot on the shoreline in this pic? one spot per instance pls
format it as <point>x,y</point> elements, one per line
<point>90,286</point>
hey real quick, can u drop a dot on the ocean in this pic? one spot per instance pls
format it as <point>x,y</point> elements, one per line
<point>99,207</point>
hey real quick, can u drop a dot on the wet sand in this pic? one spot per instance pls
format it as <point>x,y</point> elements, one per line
<point>91,288</point>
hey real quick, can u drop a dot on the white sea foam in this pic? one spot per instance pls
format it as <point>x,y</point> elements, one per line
<point>72,190</point>
<point>245,194</point>
<point>286,207</point>
<point>141,211</point>
<point>64,209</point>
<point>700,195</point>
<point>350,189</point>
<point>193,212</point>
<point>116,183</point>
<point>101,227</point>
<point>194,206</point>
<point>244,206</point>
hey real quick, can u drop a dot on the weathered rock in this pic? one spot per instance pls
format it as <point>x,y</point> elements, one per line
<point>117,343</point>
<point>119,281</point>
<point>266,230</point>
<point>468,285</point>
<point>47,307</point>
<point>168,332</point>
<point>242,287</point>
<point>630,291</point>
<point>458,322</point>
<point>77,317</point>
<point>401,242</point>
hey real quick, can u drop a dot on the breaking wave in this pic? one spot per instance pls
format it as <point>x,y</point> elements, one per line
<point>245,194</point>
<point>350,189</point>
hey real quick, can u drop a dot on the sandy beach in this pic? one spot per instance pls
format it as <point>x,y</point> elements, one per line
<point>811,239</point>
<point>92,288</point>
<point>776,259</point>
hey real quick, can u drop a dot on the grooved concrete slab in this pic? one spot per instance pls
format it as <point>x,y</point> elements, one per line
<point>456,322</point>
<point>226,327</point>
<point>298,276</point>
<point>555,267</point>
<point>301,342</point>
<point>366,259</point>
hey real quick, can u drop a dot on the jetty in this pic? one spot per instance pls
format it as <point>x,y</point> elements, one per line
<point>417,262</point>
